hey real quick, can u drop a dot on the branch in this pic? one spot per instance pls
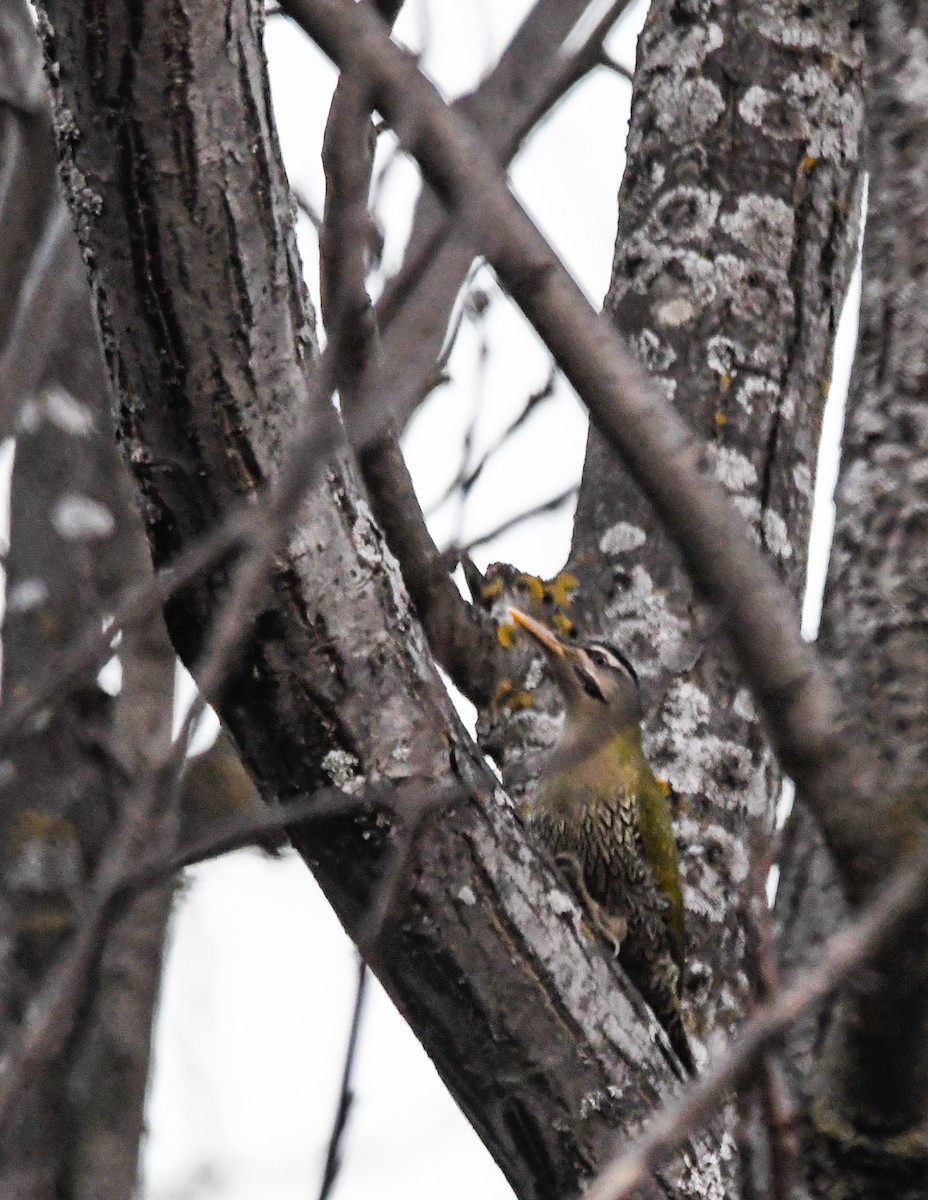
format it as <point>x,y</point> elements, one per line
<point>333,1159</point>
<point>898,901</point>
<point>462,639</point>
<point>464,645</point>
<point>793,690</point>
<point>505,107</point>
<point>467,476</point>
<point>533,74</point>
<point>456,552</point>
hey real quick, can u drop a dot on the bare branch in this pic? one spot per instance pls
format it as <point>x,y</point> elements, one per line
<point>464,647</point>
<point>467,477</point>
<point>506,105</point>
<point>462,639</point>
<point>333,1160</point>
<point>546,506</point>
<point>249,830</point>
<point>793,690</point>
<point>845,951</point>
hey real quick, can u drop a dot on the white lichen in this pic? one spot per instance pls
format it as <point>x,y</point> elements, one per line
<point>674,313</point>
<point>686,213</point>
<point>802,479</point>
<point>724,355</point>
<point>756,390</point>
<point>765,225</point>
<point>622,537</point>
<point>730,467</point>
<point>343,769</point>
<point>466,895</point>
<point>648,348</point>
<point>687,109</point>
<point>81,518</point>
<point>560,902</point>
<point>534,674</point>
<point>678,54</point>
<point>743,705</point>
<point>809,108</point>
<point>642,611</point>
<point>776,534</point>
<point>26,595</point>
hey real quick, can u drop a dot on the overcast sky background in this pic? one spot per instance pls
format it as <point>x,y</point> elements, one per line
<point>260,977</point>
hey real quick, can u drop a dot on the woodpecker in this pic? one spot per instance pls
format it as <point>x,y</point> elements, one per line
<point>603,814</point>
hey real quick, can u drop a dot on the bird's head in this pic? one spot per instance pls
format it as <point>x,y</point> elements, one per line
<point>598,683</point>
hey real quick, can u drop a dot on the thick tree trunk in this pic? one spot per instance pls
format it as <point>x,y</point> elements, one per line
<point>736,237</point>
<point>76,541</point>
<point>182,206</point>
<point>867,1104</point>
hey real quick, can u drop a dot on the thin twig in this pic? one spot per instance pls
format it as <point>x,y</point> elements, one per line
<point>779,1110</point>
<point>456,552</point>
<point>466,479</point>
<point>322,805</point>
<point>307,208</point>
<point>793,690</point>
<point>333,1158</point>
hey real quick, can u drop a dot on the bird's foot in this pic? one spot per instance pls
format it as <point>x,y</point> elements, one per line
<point>612,926</point>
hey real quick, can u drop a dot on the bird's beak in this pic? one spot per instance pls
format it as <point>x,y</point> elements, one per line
<point>543,636</point>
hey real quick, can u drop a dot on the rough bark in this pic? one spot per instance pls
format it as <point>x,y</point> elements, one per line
<point>737,227</point>
<point>75,542</point>
<point>868,1105</point>
<point>181,202</point>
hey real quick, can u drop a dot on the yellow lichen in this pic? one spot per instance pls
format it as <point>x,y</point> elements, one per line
<point>45,919</point>
<point>534,586</point>
<point>491,590</point>
<point>809,162</point>
<point>506,634</point>
<point>37,826</point>
<point>560,587</point>
<point>519,700</point>
<point>563,625</point>
<point>720,418</point>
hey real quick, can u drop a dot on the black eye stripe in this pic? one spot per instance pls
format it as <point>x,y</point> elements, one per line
<point>610,657</point>
<point>588,682</point>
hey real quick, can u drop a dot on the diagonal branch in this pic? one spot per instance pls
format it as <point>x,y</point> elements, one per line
<point>211,347</point>
<point>895,904</point>
<point>462,643</point>
<point>794,691</point>
<point>534,72</point>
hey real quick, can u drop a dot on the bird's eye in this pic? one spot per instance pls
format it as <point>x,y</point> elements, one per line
<point>589,683</point>
<point>597,657</point>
